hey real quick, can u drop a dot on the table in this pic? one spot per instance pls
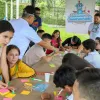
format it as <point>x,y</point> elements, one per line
<point>41,66</point>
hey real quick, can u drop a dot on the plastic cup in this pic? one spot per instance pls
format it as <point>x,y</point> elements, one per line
<point>47,77</point>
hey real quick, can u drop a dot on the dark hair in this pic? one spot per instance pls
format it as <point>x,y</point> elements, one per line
<point>59,39</point>
<point>46,35</point>
<point>10,47</point>
<point>89,83</point>
<point>89,44</point>
<point>28,10</point>
<point>97,14</point>
<point>96,11</point>
<point>64,75</point>
<point>98,38</point>
<point>75,39</point>
<point>37,9</point>
<point>40,31</point>
<point>75,61</point>
<point>5,26</point>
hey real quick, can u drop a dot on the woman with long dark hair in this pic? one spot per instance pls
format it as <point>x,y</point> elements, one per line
<point>56,41</point>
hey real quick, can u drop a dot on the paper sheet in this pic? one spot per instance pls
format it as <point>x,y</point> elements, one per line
<point>52,65</point>
<point>25,92</point>
<point>7,99</point>
<point>10,95</point>
<point>24,80</point>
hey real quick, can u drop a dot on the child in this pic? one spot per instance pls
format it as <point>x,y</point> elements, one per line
<point>36,52</point>
<point>73,42</point>
<point>16,66</point>
<point>98,44</point>
<point>93,57</point>
<point>64,76</point>
<point>56,41</point>
<point>6,33</point>
<point>40,33</point>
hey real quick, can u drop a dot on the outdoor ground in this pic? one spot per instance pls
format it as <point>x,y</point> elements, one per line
<point>64,34</point>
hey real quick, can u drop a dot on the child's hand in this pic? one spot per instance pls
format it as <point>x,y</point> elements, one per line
<point>11,88</point>
<point>69,48</point>
<point>14,77</point>
<point>3,85</point>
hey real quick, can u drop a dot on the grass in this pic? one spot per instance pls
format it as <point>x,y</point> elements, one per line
<point>64,34</point>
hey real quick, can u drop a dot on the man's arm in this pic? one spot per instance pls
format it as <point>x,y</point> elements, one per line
<point>40,27</point>
<point>49,57</point>
<point>45,45</point>
<point>90,28</point>
<point>88,32</point>
<point>4,66</point>
<point>40,24</point>
<point>36,39</point>
<point>66,41</point>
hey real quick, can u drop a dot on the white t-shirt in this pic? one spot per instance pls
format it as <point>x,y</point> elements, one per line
<point>93,58</point>
<point>23,35</point>
<point>33,55</point>
<point>94,31</point>
<point>70,97</point>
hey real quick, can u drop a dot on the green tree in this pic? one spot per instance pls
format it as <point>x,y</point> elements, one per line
<point>98,2</point>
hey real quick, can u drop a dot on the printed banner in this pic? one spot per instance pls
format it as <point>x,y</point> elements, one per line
<point>79,15</point>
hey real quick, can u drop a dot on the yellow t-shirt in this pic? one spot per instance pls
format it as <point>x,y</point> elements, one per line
<point>20,69</point>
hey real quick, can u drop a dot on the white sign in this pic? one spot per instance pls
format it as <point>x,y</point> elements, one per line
<point>79,15</point>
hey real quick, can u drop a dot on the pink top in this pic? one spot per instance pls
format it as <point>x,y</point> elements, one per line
<point>55,44</point>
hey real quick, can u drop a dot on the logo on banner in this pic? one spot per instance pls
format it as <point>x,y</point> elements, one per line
<point>80,15</point>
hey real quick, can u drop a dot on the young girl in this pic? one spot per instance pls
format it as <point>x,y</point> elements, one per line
<point>6,33</point>
<point>16,67</point>
<point>56,41</point>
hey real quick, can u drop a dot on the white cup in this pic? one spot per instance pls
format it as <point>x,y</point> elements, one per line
<point>65,52</point>
<point>47,77</point>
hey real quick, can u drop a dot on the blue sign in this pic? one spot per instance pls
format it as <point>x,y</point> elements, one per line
<point>80,15</point>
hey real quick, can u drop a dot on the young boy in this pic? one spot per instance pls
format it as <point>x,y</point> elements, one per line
<point>36,52</point>
<point>40,33</point>
<point>64,78</point>
<point>86,85</point>
<point>93,57</point>
<point>72,41</point>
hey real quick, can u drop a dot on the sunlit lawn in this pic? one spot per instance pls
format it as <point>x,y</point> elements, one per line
<point>64,34</point>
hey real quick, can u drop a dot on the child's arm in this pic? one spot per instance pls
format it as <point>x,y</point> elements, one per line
<point>49,57</point>
<point>24,70</point>
<point>61,47</point>
<point>4,66</point>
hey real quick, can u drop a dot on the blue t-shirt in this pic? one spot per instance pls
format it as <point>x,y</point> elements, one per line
<point>36,23</point>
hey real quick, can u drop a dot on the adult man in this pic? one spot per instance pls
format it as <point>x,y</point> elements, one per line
<point>94,28</point>
<point>24,33</point>
<point>37,23</point>
<point>87,85</point>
